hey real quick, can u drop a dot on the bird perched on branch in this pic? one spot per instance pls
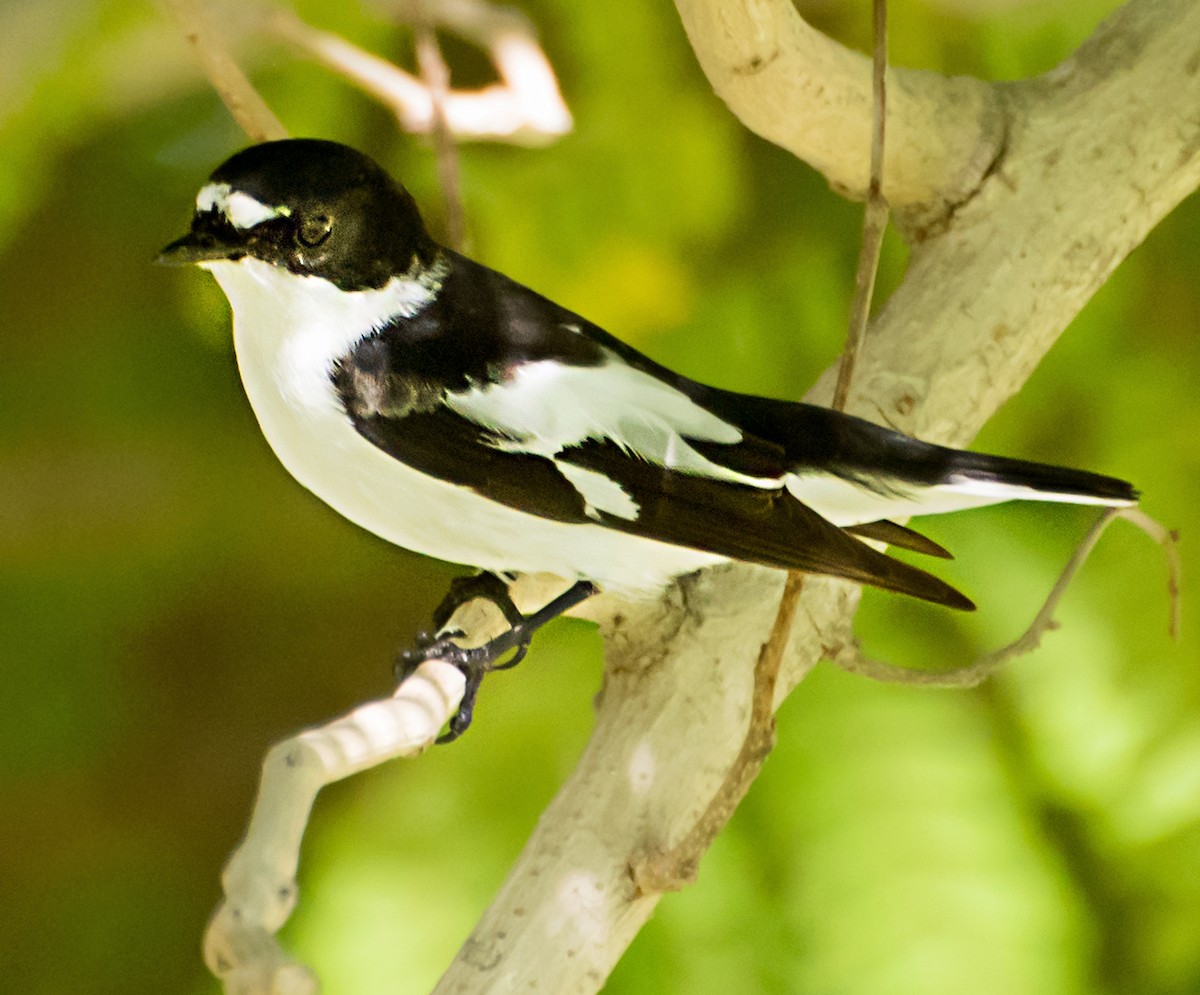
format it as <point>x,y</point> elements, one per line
<point>457,413</point>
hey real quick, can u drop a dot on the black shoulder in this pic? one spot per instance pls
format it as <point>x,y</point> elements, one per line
<point>511,321</point>
<point>480,327</point>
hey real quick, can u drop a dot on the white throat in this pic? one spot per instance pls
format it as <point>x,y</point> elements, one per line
<point>289,329</point>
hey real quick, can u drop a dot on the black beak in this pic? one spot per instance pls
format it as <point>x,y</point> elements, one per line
<point>199,247</point>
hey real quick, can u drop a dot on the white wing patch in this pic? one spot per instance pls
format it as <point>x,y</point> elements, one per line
<point>240,209</point>
<point>551,406</point>
<point>599,492</point>
<point>547,407</point>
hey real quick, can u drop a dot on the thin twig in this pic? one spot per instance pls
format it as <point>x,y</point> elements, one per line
<point>236,91</point>
<point>875,216</point>
<point>436,75</point>
<point>525,107</point>
<point>851,658</point>
<point>673,869</point>
<point>1169,540</point>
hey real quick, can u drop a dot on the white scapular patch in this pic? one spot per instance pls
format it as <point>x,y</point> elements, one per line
<point>240,209</point>
<point>551,406</point>
<point>546,407</point>
<point>599,492</point>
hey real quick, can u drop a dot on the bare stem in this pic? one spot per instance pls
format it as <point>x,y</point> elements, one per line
<point>236,91</point>
<point>875,216</point>
<point>436,76</point>
<point>851,658</point>
<point>673,869</point>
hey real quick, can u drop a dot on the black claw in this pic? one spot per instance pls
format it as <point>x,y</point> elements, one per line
<point>517,657</point>
<point>461,720</point>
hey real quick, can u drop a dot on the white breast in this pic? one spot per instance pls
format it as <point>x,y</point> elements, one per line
<point>288,330</point>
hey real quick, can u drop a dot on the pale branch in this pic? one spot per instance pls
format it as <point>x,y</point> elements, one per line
<point>259,880</point>
<point>510,38</point>
<point>851,658</point>
<point>1098,151</point>
<point>248,109</point>
<point>526,106</point>
<point>796,87</point>
<point>675,868</point>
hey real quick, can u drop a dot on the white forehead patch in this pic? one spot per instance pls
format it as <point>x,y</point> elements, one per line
<point>240,209</point>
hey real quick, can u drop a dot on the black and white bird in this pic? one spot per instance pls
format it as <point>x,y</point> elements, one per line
<point>459,414</point>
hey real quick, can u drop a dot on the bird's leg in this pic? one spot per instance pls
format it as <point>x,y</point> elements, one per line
<point>485,586</point>
<point>475,662</point>
<point>430,643</point>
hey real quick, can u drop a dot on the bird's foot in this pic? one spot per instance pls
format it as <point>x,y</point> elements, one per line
<point>478,661</point>
<point>474,662</point>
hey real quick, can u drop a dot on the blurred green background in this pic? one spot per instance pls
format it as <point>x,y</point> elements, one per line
<point>173,602</point>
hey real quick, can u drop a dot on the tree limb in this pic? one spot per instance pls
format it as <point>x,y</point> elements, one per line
<point>803,91</point>
<point>1094,154</point>
<point>259,880</point>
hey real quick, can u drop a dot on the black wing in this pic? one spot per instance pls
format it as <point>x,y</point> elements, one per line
<point>395,385</point>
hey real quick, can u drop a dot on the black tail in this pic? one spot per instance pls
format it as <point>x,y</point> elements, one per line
<point>1037,481</point>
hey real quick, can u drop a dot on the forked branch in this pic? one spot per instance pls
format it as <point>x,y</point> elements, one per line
<point>1041,220</point>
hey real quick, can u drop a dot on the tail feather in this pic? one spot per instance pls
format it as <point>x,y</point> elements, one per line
<point>900,535</point>
<point>1004,478</point>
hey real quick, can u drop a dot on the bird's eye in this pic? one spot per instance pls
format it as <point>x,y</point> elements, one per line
<point>314,230</point>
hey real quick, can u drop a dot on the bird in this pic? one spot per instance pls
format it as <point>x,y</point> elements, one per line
<point>457,413</point>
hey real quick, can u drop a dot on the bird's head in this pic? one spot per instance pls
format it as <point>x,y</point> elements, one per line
<point>311,207</point>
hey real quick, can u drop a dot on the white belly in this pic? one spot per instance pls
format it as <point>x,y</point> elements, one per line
<point>285,358</point>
